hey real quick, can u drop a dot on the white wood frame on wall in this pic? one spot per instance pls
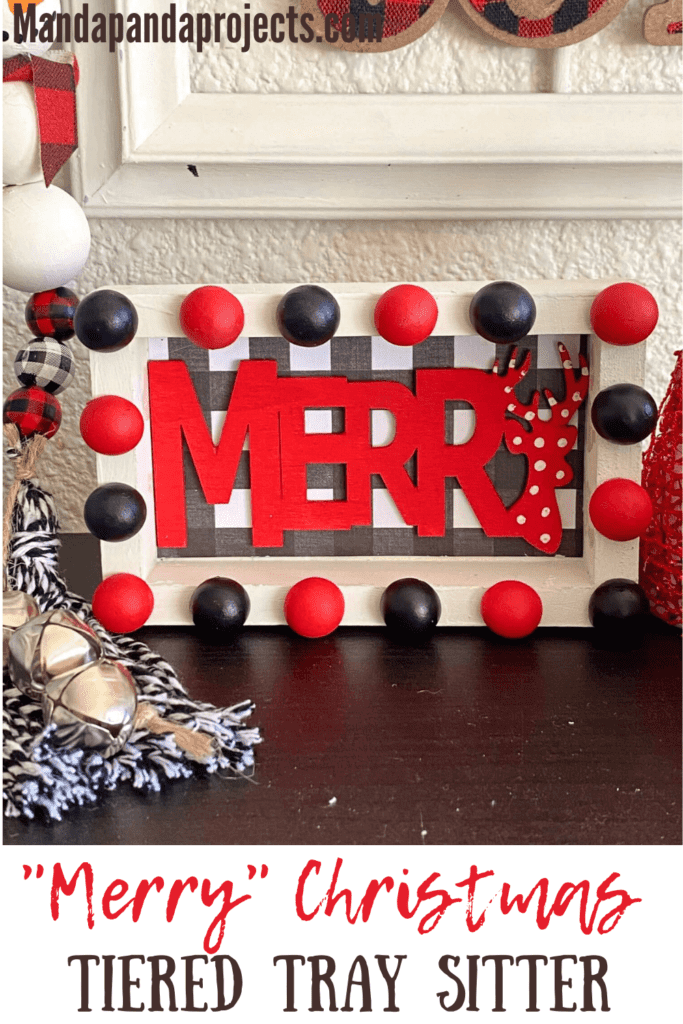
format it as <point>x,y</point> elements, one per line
<point>564,584</point>
<point>405,156</point>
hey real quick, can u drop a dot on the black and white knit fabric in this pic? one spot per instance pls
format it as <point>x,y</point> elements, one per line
<point>45,363</point>
<point>40,779</point>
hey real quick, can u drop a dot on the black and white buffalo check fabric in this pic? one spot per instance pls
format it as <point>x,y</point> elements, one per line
<point>45,363</point>
<point>225,530</point>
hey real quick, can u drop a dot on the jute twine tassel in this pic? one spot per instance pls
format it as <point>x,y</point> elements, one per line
<point>25,457</point>
<point>198,745</point>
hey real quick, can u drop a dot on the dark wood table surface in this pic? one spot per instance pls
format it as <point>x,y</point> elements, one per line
<point>467,739</point>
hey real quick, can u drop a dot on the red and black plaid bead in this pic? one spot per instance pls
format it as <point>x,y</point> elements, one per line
<point>33,411</point>
<point>51,313</point>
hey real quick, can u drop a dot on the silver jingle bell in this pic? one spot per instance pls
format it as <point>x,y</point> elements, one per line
<point>93,707</point>
<point>17,609</point>
<point>51,645</point>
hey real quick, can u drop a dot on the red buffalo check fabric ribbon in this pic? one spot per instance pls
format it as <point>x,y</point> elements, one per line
<point>54,80</point>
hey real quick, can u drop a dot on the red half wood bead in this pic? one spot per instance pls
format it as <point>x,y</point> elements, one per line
<point>314,607</point>
<point>624,314</point>
<point>123,603</point>
<point>212,317</point>
<point>511,609</point>
<point>111,425</point>
<point>406,314</point>
<point>620,509</point>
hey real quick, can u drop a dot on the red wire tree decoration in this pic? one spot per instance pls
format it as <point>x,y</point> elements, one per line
<point>660,548</point>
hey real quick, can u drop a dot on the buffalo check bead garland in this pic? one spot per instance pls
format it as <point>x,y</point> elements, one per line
<point>45,367</point>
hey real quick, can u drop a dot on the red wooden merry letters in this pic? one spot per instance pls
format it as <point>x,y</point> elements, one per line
<point>271,410</point>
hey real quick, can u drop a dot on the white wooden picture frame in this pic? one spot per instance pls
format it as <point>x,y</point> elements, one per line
<point>564,584</point>
<point>405,156</point>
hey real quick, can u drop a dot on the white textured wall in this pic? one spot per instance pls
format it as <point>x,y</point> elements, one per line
<point>138,251</point>
<point>453,57</point>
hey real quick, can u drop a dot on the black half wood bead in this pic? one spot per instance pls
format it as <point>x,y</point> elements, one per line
<point>308,315</point>
<point>105,321</point>
<point>411,609</point>
<point>219,607</point>
<point>619,610</point>
<point>503,312</point>
<point>115,512</point>
<point>624,414</point>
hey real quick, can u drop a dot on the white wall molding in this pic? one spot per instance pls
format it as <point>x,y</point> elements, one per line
<point>368,156</point>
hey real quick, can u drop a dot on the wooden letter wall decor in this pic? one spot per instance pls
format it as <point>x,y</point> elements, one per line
<point>371,26</point>
<point>663,24</point>
<point>379,25</point>
<point>271,411</point>
<point>542,23</point>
